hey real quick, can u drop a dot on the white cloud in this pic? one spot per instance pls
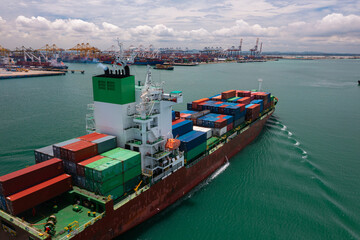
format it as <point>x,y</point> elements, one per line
<point>333,29</point>
<point>336,23</point>
<point>243,28</point>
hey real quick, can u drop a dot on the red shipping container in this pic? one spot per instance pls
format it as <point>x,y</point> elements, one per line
<point>244,100</point>
<point>81,150</point>
<point>242,107</point>
<point>200,106</point>
<point>221,108</point>
<point>252,112</point>
<point>196,102</point>
<point>229,127</point>
<point>19,180</point>
<point>92,136</point>
<point>220,123</point>
<point>228,94</point>
<point>184,115</point>
<point>33,196</point>
<point>216,98</point>
<point>221,116</point>
<point>81,165</point>
<point>243,93</point>
<point>177,121</point>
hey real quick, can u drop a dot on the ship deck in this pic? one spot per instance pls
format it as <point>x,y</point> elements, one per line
<point>73,209</point>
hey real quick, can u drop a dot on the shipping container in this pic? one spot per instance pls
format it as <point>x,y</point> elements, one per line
<point>79,181</point>
<point>70,167</point>
<point>105,187</point>
<point>229,127</point>
<point>89,167</point>
<point>260,102</point>
<point>80,169</point>
<point>116,192</point>
<point>211,142</point>
<point>252,112</point>
<point>191,140</point>
<point>3,203</point>
<point>239,121</point>
<point>107,170</point>
<point>173,116</point>
<point>129,159</point>
<point>57,146</point>
<point>132,173</point>
<point>177,121</point>
<point>105,143</point>
<point>92,136</point>
<point>189,106</point>
<point>243,93</point>
<point>81,150</point>
<point>218,132</point>
<point>228,94</point>
<point>132,183</point>
<point>33,196</point>
<point>19,180</point>
<point>44,154</point>
<point>208,131</point>
<point>196,102</point>
<point>195,152</point>
<point>182,128</point>
<point>89,185</point>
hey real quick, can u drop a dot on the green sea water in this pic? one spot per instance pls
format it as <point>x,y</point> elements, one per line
<point>300,179</point>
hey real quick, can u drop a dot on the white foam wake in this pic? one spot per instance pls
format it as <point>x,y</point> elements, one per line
<point>220,170</point>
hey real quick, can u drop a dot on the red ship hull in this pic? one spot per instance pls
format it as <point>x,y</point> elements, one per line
<point>167,191</point>
<point>163,193</point>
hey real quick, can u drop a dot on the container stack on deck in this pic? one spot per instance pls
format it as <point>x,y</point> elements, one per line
<point>96,165</point>
<point>24,189</point>
<point>218,115</point>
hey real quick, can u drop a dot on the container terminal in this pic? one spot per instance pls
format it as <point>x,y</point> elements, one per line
<point>138,158</point>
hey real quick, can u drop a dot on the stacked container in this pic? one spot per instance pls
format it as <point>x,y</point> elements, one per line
<point>16,188</point>
<point>30,197</point>
<point>182,128</point>
<point>193,144</point>
<point>228,94</point>
<point>252,112</point>
<point>44,154</point>
<point>197,102</point>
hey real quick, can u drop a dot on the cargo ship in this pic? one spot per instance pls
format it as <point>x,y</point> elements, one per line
<point>138,158</point>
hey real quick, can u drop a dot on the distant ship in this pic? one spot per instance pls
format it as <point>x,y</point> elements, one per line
<point>147,61</point>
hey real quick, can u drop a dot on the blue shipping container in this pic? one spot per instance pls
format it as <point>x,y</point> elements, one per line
<point>191,140</point>
<point>182,128</point>
<point>189,106</point>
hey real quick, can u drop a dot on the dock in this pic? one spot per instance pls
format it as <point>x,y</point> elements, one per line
<point>30,73</point>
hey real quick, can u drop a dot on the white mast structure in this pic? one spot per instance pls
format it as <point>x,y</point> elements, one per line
<point>140,116</point>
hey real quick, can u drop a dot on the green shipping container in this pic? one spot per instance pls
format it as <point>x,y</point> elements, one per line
<point>107,170</point>
<point>132,183</point>
<point>193,153</point>
<point>116,192</point>
<point>211,141</point>
<point>89,185</point>
<point>105,187</point>
<point>132,173</point>
<point>129,158</point>
<point>89,168</point>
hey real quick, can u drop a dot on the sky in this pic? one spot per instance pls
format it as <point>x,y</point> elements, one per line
<point>281,25</point>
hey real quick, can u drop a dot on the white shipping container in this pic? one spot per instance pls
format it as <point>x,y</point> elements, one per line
<point>206,130</point>
<point>219,131</point>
